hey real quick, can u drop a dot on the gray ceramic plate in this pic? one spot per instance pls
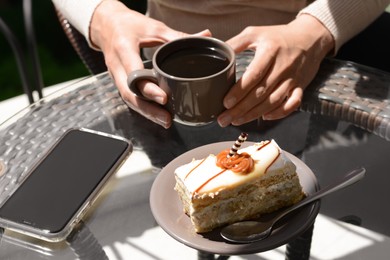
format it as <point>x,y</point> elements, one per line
<point>168,211</point>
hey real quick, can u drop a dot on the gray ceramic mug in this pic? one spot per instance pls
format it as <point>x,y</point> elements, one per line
<point>196,73</point>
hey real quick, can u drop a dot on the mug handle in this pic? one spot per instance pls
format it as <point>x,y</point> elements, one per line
<point>144,74</point>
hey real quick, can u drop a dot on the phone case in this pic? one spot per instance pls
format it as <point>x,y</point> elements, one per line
<point>26,229</point>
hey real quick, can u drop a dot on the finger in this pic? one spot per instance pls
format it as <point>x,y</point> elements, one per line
<point>291,104</point>
<point>119,68</point>
<point>152,92</point>
<point>271,101</point>
<point>241,41</point>
<point>243,111</point>
<point>253,77</point>
<point>131,61</point>
<point>150,110</point>
<point>205,33</point>
<point>239,112</point>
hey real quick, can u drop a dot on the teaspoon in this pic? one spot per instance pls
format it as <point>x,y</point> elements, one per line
<point>252,231</point>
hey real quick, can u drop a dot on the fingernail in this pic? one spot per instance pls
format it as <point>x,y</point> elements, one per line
<point>162,120</point>
<point>230,102</point>
<point>224,121</point>
<point>159,100</point>
<point>267,117</point>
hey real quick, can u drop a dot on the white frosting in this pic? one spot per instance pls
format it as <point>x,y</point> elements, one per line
<point>203,176</point>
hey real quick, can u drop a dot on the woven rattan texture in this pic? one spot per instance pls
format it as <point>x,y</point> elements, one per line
<point>93,60</point>
<point>353,93</point>
<point>24,141</point>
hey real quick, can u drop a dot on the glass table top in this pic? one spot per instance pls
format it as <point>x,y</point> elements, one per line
<point>329,145</point>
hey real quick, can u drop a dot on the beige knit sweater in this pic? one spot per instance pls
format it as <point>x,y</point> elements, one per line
<point>226,18</point>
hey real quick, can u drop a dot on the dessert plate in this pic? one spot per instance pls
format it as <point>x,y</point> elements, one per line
<point>167,209</point>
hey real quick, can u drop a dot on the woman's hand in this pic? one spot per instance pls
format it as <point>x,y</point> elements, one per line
<point>287,57</point>
<point>120,33</point>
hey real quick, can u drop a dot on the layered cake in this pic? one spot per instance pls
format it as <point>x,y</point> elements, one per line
<point>230,187</point>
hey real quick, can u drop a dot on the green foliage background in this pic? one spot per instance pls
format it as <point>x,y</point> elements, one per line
<point>59,61</point>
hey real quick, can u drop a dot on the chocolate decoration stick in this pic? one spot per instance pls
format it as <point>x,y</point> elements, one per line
<point>237,144</point>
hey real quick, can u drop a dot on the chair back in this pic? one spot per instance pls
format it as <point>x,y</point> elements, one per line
<point>93,60</point>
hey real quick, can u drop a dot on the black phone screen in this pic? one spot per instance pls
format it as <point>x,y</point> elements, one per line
<point>63,180</point>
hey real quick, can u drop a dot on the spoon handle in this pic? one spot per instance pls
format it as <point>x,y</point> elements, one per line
<point>346,180</point>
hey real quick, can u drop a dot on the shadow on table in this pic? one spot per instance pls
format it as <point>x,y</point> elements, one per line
<point>163,145</point>
<point>123,210</point>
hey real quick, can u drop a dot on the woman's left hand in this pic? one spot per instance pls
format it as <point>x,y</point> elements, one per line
<point>286,59</point>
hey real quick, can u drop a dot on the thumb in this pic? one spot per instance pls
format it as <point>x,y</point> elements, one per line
<point>173,35</point>
<point>239,43</point>
<point>205,33</point>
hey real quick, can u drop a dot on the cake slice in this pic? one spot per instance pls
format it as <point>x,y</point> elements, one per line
<point>219,189</point>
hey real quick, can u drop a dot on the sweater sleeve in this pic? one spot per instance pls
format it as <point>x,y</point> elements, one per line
<point>345,18</point>
<point>79,13</point>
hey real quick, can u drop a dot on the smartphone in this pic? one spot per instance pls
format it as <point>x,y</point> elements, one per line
<point>63,184</point>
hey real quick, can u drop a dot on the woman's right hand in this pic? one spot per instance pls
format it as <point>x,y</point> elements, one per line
<point>120,33</point>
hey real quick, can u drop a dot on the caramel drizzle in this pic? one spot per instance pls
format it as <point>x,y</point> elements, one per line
<point>261,147</point>
<point>188,174</point>
<point>212,178</point>
<point>238,163</point>
<point>274,160</point>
